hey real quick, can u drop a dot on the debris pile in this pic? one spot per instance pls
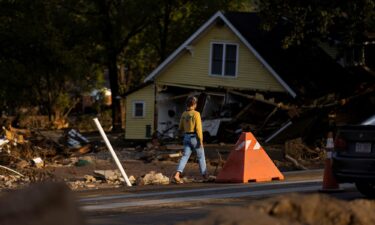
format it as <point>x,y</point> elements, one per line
<point>114,177</point>
<point>301,155</point>
<point>153,151</point>
<point>25,153</point>
<point>110,176</point>
<point>274,118</point>
<point>80,184</point>
<point>12,181</point>
<point>20,148</point>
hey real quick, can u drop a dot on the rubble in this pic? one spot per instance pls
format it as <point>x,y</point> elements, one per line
<point>22,148</point>
<point>115,177</point>
<point>11,170</point>
<point>132,180</point>
<point>153,178</point>
<point>111,176</point>
<point>83,184</point>
<point>295,162</point>
<point>89,178</point>
<point>153,151</point>
<point>22,164</point>
<point>297,152</point>
<point>32,152</point>
<point>75,139</point>
<point>271,117</point>
<point>38,162</point>
<point>10,181</point>
<point>108,175</point>
<point>74,185</point>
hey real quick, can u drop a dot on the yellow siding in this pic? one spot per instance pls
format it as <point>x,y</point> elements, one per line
<point>135,128</point>
<point>192,68</point>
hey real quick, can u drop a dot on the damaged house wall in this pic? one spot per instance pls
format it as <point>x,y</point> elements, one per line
<point>188,71</point>
<point>170,105</point>
<point>168,111</point>
<point>257,96</point>
<point>224,114</point>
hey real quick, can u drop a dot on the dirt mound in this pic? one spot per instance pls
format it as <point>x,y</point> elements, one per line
<point>40,204</point>
<point>315,209</point>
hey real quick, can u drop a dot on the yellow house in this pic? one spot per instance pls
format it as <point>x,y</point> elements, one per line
<point>217,59</point>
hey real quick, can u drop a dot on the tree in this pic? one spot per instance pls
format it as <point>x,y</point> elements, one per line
<point>314,20</point>
<point>111,26</point>
<point>176,20</point>
<point>41,59</point>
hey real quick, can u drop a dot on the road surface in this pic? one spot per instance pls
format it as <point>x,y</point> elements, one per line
<point>176,203</point>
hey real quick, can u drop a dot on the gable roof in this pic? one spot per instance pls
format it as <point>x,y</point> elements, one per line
<point>205,26</point>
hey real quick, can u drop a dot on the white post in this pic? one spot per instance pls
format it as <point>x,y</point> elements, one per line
<point>109,146</point>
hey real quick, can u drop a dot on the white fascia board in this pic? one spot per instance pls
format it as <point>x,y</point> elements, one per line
<point>182,47</point>
<point>258,56</point>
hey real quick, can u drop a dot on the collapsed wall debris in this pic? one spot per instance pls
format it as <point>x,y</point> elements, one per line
<point>227,112</point>
<point>273,118</point>
<point>23,148</point>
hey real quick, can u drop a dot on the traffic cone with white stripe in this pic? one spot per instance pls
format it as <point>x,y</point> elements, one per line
<point>330,183</point>
<point>248,162</point>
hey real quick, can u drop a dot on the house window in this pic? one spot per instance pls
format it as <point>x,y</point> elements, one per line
<point>138,109</point>
<point>224,59</point>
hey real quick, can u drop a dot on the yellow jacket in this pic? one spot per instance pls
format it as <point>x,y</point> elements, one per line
<point>191,122</point>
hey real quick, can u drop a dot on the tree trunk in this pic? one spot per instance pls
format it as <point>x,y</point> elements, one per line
<point>49,95</point>
<point>113,80</point>
<point>165,30</point>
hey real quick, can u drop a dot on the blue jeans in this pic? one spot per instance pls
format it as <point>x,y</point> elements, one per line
<point>191,143</point>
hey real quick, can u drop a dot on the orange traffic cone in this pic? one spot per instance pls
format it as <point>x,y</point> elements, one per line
<point>248,162</point>
<point>330,183</point>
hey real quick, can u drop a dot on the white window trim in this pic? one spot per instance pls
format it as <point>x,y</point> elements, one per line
<point>143,111</point>
<point>223,59</point>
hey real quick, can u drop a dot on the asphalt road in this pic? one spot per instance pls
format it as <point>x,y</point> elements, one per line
<point>176,203</point>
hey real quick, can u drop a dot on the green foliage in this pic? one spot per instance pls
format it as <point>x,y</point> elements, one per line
<point>50,51</point>
<point>63,101</point>
<point>40,59</point>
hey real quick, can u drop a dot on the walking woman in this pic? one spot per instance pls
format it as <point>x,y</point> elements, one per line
<point>191,125</point>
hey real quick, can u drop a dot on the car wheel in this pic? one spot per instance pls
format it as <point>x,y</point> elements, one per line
<point>367,189</point>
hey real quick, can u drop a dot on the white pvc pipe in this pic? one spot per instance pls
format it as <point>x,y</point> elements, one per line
<point>109,146</point>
